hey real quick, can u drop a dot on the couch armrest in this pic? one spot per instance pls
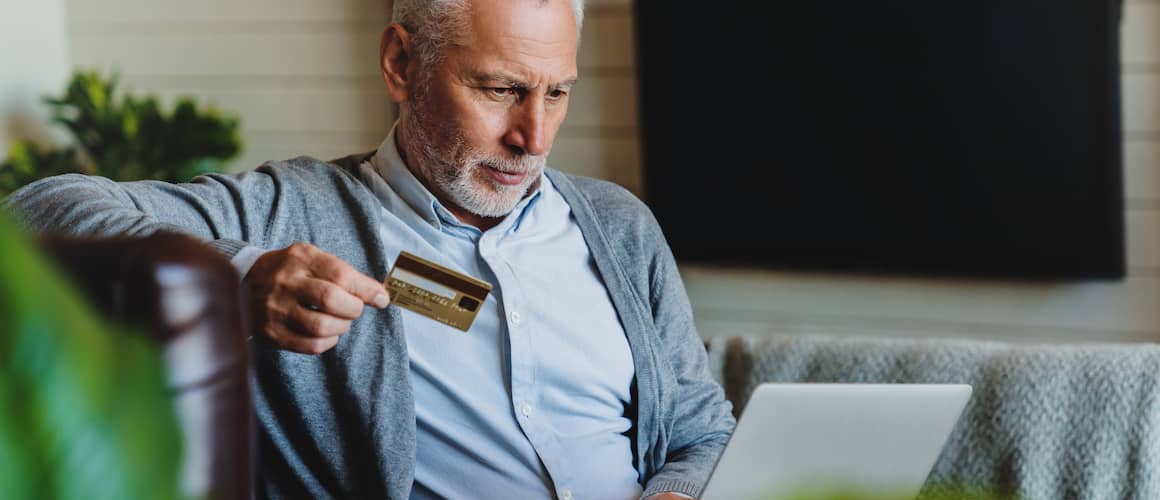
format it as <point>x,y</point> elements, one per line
<point>186,297</point>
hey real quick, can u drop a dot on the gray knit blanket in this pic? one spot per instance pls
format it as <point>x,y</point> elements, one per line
<point>1044,421</point>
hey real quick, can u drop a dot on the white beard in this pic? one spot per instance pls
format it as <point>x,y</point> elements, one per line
<point>452,166</point>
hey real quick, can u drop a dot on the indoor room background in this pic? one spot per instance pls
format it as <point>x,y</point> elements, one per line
<point>303,77</point>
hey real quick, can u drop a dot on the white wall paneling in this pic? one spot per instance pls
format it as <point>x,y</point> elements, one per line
<point>34,62</point>
<point>1107,311</point>
<point>302,75</point>
<point>1140,33</point>
<point>141,14</point>
<point>1142,172</point>
<point>1141,96</point>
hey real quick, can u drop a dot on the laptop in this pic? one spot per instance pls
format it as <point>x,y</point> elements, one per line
<point>823,441</point>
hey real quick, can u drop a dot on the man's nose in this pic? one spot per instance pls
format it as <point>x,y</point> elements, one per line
<point>526,134</point>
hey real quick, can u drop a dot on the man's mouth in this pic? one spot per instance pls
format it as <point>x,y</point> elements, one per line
<point>505,178</point>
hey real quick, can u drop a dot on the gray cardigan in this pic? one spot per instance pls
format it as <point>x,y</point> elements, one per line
<point>342,424</point>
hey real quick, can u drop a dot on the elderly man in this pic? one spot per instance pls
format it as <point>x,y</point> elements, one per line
<point>582,375</point>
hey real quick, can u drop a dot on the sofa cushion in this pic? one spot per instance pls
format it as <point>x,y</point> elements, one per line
<point>1044,421</point>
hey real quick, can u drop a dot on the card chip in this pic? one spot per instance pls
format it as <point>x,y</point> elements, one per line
<point>468,303</point>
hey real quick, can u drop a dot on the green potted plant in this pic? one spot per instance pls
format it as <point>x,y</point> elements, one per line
<point>84,408</point>
<point>124,138</point>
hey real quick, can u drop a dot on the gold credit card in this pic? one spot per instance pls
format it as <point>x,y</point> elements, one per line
<point>435,291</point>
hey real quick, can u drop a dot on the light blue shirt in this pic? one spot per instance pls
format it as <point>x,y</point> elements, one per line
<point>531,401</point>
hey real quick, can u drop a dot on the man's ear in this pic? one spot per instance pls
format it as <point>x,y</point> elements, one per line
<point>396,61</point>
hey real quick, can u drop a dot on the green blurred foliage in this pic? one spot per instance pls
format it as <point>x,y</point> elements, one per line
<point>125,138</point>
<point>84,411</point>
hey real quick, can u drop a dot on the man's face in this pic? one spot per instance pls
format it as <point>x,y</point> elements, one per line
<point>480,122</point>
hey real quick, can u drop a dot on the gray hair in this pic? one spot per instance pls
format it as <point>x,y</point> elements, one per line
<point>434,24</point>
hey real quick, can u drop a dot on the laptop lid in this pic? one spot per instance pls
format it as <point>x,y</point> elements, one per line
<point>829,440</point>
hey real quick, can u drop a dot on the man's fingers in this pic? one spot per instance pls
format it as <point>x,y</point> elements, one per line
<point>300,297</point>
<point>329,298</point>
<point>334,270</point>
<point>311,323</point>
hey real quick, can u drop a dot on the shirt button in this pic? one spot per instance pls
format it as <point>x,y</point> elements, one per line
<point>516,318</point>
<point>566,495</point>
<point>526,410</point>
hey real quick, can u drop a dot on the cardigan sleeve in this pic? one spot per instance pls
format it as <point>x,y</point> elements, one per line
<point>698,418</point>
<point>229,211</point>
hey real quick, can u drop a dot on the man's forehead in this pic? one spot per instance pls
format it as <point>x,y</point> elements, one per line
<point>532,27</point>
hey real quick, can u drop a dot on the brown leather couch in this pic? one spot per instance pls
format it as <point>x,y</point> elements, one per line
<point>184,295</point>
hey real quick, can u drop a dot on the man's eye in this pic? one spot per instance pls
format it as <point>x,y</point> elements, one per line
<point>502,91</point>
<point>557,94</point>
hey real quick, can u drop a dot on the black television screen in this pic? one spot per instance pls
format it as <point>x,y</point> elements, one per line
<point>976,138</point>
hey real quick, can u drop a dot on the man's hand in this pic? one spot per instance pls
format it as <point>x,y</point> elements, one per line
<point>302,299</point>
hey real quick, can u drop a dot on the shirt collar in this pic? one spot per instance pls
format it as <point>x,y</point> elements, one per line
<point>388,163</point>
